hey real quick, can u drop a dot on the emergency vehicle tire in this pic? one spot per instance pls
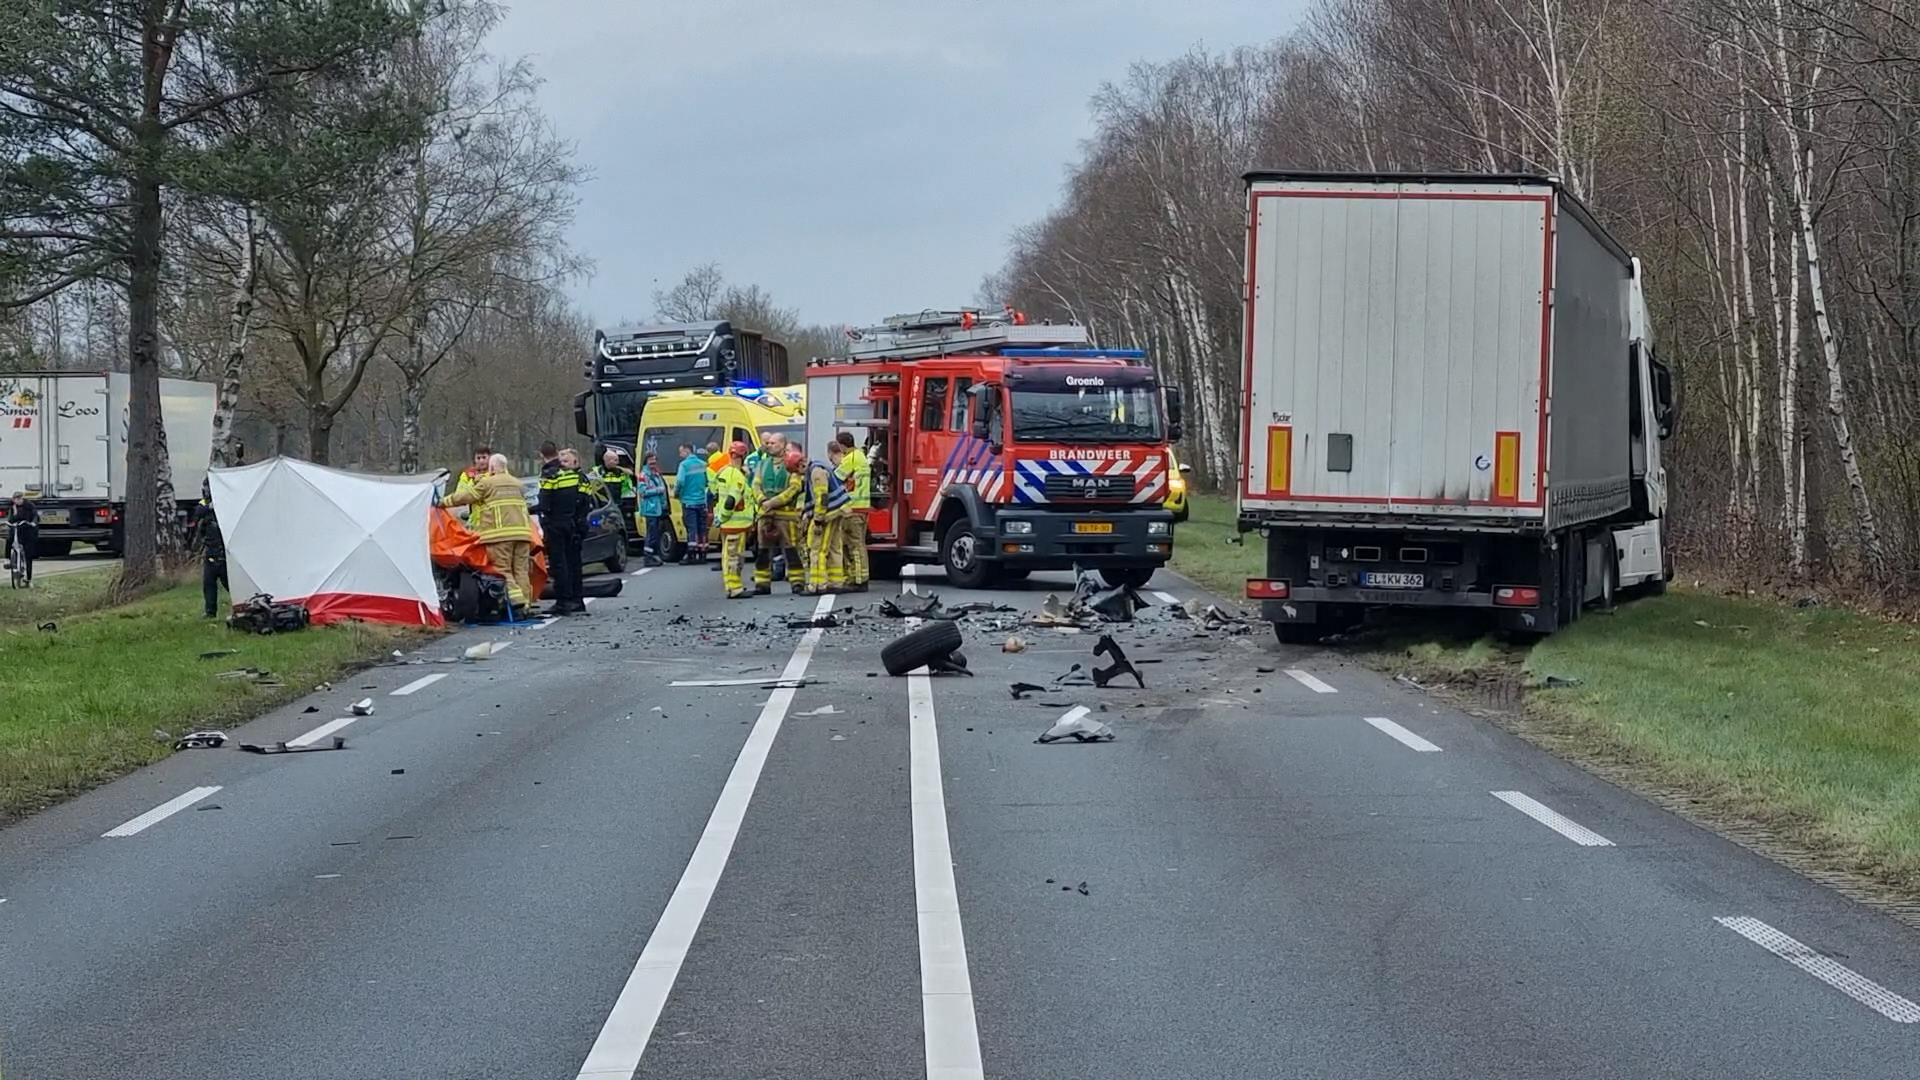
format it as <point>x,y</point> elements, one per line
<point>466,602</point>
<point>54,549</point>
<point>960,555</point>
<point>617,562</point>
<point>1134,577</point>
<point>920,647</point>
<point>672,550</point>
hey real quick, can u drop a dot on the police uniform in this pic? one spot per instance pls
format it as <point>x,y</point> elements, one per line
<point>564,505</point>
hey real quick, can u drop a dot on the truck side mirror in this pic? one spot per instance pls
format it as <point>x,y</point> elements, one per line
<point>580,423</point>
<point>1175,414</point>
<point>986,415</point>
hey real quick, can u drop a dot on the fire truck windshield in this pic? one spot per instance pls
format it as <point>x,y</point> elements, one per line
<point>1062,412</point>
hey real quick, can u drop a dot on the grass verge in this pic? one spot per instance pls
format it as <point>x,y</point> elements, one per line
<point>82,704</point>
<point>1795,731</point>
<point>1207,549</point>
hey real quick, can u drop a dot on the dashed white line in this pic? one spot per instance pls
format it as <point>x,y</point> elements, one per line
<point>322,731</point>
<point>771,680</point>
<point>1403,735</point>
<point>162,812</point>
<point>643,571</point>
<point>588,602</point>
<point>1553,819</point>
<point>629,1027</point>
<point>950,1028</point>
<point>1311,683</point>
<point>419,684</point>
<point>1167,598</point>
<point>499,647</point>
<point>1834,974</point>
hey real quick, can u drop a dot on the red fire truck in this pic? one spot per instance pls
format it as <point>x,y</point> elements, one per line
<point>1000,447</point>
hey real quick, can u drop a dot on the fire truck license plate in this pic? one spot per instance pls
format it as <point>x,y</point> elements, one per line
<point>53,517</point>
<point>1093,526</point>
<point>1375,580</point>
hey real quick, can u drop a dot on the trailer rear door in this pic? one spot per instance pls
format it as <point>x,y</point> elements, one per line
<point>23,430</point>
<point>78,416</point>
<point>1396,348</point>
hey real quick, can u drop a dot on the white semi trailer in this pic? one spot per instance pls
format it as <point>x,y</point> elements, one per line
<point>63,440</point>
<point>1451,400</point>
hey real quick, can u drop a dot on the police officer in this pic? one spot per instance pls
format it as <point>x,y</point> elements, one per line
<point>213,551</point>
<point>564,505</point>
<point>618,481</point>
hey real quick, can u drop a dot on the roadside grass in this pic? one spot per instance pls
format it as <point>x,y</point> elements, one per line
<point>55,596</point>
<point>82,704</point>
<point>1804,723</point>
<point>1207,549</point>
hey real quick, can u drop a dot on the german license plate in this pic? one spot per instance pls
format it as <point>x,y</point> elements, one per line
<point>53,517</point>
<point>1093,526</point>
<point>1374,579</point>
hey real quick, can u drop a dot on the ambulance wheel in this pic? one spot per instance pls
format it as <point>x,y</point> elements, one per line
<point>673,550</point>
<point>1133,577</point>
<point>960,555</point>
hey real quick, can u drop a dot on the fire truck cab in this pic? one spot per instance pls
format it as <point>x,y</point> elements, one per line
<point>999,448</point>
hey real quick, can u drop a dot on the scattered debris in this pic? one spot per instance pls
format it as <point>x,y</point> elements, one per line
<point>1554,682</point>
<point>258,676</point>
<point>215,654</point>
<point>338,742</point>
<point>1076,725</point>
<point>323,688</point>
<point>311,709</point>
<point>208,806</point>
<point>49,628</point>
<point>1014,644</point>
<point>363,707</point>
<point>395,772</point>
<point>915,606</point>
<point>1075,676</point>
<point>1110,648</point>
<point>1022,689</point>
<point>933,646</point>
<point>1082,889</point>
<point>821,622</point>
<point>199,740</point>
<point>1112,603</point>
<point>838,738</point>
<point>824,710</point>
<point>1053,612</point>
<point>481,651</point>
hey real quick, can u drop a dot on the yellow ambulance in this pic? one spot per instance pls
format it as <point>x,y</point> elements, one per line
<point>716,417</point>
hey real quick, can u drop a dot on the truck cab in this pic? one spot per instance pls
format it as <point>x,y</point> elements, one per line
<point>1000,448</point>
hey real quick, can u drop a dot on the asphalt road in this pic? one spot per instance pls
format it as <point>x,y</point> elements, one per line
<point>558,863</point>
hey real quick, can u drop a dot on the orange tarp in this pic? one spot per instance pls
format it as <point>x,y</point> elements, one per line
<point>453,544</point>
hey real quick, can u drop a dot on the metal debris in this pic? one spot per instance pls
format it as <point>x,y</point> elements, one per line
<point>338,742</point>
<point>363,707</point>
<point>1022,689</point>
<point>201,740</point>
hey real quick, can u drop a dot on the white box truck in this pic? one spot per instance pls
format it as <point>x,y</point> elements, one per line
<point>63,440</point>
<point>1451,400</point>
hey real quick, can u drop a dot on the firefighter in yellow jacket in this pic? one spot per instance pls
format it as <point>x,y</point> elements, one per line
<point>857,477</point>
<point>780,484</point>
<point>826,509</point>
<point>734,507</point>
<point>499,518</point>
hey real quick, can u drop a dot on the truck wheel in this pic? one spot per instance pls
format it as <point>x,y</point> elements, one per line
<point>1609,576</point>
<point>960,553</point>
<point>54,549</point>
<point>920,647</point>
<point>1297,633</point>
<point>1135,577</point>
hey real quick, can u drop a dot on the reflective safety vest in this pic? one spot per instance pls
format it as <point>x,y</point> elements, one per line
<point>857,474</point>
<point>824,494</point>
<point>733,506</point>
<point>499,508</point>
<point>780,489</point>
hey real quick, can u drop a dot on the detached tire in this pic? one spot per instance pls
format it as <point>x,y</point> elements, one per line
<point>920,647</point>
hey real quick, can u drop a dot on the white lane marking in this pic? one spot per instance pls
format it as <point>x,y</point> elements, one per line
<point>162,812</point>
<point>951,1030</point>
<point>642,571</point>
<point>588,602</point>
<point>544,623</point>
<point>1167,598</point>
<point>769,680</point>
<point>907,573</point>
<point>1310,682</point>
<point>623,1038</point>
<point>322,731</point>
<point>1834,974</point>
<point>499,647</point>
<point>1553,819</point>
<point>1403,735</point>
<point>419,684</point>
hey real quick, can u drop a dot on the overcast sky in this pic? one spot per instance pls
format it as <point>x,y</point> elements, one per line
<point>855,158</point>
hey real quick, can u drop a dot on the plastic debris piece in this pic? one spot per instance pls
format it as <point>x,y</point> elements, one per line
<point>363,707</point>
<point>1079,726</point>
<point>1014,644</point>
<point>200,740</point>
<point>1022,689</point>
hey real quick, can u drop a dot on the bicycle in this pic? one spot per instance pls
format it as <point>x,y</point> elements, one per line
<point>16,559</point>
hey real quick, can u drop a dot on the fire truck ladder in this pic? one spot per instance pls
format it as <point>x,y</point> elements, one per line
<point>949,333</point>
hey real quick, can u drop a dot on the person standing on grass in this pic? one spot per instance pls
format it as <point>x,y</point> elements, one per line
<point>23,534</point>
<point>213,551</point>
